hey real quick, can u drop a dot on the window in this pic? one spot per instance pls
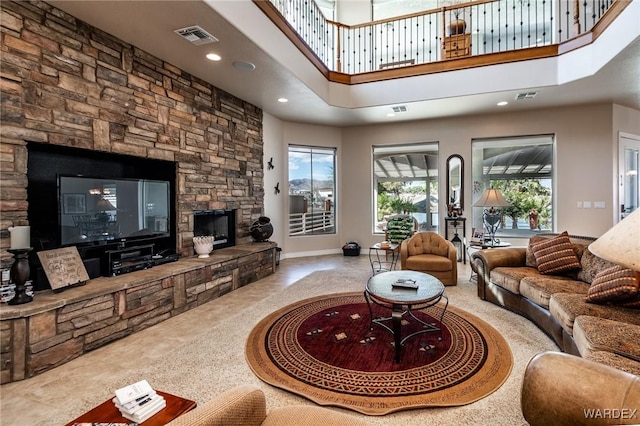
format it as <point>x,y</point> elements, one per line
<point>384,9</point>
<point>311,190</point>
<point>628,165</point>
<point>522,169</point>
<point>405,180</point>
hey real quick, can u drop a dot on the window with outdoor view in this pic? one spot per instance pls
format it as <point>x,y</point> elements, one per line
<point>522,169</point>
<point>311,190</point>
<point>405,181</point>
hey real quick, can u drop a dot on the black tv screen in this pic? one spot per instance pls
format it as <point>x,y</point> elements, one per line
<point>94,210</point>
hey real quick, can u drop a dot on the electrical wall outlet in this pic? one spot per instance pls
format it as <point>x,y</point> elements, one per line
<point>598,204</point>
<point>579,204</point>
<point>586,204</point>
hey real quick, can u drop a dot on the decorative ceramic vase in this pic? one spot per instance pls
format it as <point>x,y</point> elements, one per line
<point>203,245</point>
<point>458,26</point>
<point>261,229</point>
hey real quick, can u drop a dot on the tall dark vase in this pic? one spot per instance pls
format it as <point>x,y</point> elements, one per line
<point>261,229</point>
<point>19,274</point>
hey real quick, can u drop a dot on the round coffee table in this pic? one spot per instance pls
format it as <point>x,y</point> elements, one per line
<point>383,290</point>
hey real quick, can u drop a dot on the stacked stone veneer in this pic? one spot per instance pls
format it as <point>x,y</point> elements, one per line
<point>56,328</point>
<point>64,82</point>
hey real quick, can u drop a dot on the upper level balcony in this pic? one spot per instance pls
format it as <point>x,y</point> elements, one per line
<point>467,34</point>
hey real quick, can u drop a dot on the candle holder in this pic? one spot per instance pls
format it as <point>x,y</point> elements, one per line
<point>19,274</point>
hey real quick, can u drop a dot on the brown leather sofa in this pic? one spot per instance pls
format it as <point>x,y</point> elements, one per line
<point>246,405</point>
<point>431,253</point>
<point>561,389</point>
<point>557,304</point>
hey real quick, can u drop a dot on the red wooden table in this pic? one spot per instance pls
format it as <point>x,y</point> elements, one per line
<point>108,413</point>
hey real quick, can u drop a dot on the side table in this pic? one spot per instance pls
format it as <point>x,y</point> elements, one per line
<point>383,264</point>
<point>108,413</point>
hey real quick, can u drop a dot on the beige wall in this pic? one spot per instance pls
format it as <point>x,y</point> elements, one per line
<point>278,135</point>
<point>275,205</point>
<point>586,161</point>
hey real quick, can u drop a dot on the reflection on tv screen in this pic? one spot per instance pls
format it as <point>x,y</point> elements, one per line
<point>96,209</point>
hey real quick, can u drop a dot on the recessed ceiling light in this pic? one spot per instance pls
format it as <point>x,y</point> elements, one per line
<point>213,57</point>
<point>391,114</point>
<point>283,100</point>
<point>503,103</point>
<point>244,66</point>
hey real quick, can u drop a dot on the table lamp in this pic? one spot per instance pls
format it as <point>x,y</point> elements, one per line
<point>102,206</point>
<point>621,244</point>
<point>491,198</point>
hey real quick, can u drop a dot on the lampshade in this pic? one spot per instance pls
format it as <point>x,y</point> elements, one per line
<point>104,204</point>
<point>621,244</point>
<point>492,198</point>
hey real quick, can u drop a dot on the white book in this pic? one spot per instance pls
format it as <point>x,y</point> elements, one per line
<point>132,407</point>
<point>144,415</point>
<point>133,392</point>
<point>136,404</point>
<point>151,406</point>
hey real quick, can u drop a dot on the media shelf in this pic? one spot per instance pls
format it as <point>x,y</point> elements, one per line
<point>129,259</point>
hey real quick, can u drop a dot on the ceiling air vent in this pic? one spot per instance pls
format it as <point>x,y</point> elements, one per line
<point>196,35</point>
<point>527,95</point>
<point>399,108</point>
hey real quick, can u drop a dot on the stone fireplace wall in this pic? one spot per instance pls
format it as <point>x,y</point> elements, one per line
<point>64,82</point>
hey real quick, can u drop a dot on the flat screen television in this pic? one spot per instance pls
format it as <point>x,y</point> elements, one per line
<point>93,210</point>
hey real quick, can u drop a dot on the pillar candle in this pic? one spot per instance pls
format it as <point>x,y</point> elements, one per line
<point>20,237</point>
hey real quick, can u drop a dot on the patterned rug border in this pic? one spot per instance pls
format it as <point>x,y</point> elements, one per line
<point>491,377</point>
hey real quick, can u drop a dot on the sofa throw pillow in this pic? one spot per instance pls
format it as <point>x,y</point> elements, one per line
<point>530,259</point>
<point>555,255</point>
<point>591,266</point>
<point>615,284</point>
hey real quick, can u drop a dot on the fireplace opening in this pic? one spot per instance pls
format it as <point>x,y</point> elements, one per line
<point>219,223</point>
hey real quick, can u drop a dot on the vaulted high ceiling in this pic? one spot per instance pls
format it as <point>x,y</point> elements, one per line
<point>608,71</point>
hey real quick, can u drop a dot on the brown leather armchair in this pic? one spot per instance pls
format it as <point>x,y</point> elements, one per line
<point>430,253</point>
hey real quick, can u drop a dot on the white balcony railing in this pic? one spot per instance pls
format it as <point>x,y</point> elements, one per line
<point>316,222</point>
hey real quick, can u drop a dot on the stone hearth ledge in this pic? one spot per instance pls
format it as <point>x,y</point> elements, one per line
<point>59,326</point>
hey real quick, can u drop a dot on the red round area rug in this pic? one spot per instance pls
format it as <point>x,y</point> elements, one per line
<point>324,349</point>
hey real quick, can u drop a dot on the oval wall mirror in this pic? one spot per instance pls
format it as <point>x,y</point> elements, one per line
<point>455,181</point>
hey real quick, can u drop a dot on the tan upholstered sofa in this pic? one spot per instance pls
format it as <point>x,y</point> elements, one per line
<point>561,389</point>
<point>429,252</point>
<point>246,405</point>
<point>556,303</point>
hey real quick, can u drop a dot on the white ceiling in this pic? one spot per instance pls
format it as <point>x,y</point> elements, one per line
<point>607,70</point>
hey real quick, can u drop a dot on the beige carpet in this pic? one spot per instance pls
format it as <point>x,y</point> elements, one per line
<point>200,353</point>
